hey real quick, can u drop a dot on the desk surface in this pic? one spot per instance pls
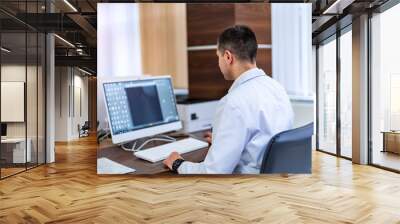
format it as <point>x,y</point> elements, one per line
<point>14,140</point>
<point>113,152</point>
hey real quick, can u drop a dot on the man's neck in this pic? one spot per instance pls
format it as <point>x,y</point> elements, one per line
<point>242,69</point>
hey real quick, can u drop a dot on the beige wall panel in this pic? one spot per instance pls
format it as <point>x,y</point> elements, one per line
<point>163,41</point>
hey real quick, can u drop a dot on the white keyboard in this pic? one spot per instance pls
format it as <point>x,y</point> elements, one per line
<point>161,152</point>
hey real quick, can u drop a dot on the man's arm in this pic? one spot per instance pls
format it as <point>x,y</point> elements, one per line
<point>229,139</point>
<point>208,137</point>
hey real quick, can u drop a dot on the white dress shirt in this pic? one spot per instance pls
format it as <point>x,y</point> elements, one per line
<point>255,109</point>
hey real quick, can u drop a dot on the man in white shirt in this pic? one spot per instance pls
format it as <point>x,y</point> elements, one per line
<point>254,110</point>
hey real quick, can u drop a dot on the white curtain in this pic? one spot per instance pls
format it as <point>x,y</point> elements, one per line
<point>292,48</point>
<point>118,46</point>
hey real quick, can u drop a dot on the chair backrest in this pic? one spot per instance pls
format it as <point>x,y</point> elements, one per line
<point>289,151</point>
<point>86,125</point>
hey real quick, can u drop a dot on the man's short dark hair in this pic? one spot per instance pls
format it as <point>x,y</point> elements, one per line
<point>241,41</point>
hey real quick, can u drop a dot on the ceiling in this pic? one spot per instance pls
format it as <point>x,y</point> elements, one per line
<point>76,21</point>
<point>76,25</point>
<point>332,15</point>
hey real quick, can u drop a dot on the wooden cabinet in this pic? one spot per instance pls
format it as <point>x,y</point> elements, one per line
<point>258,17</point>
<point>205,79</point>
<point>170,31</point>
<point>205,21</point>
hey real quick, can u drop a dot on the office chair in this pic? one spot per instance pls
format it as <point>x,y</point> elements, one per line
<point>84,130</point>
<point>289,151</point>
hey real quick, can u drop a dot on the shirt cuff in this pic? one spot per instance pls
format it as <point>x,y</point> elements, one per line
<point>191,168</point>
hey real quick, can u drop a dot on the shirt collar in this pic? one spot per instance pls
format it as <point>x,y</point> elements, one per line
<point>246,76</point>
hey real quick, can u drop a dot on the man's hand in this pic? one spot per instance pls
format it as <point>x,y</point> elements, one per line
<point>208,137</point>
<point>171,158</point>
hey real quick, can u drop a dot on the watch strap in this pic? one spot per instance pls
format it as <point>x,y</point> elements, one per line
<point>176,164</point>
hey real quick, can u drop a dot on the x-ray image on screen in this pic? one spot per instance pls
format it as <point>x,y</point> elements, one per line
<point>144,104</point>
<point>138,104</point>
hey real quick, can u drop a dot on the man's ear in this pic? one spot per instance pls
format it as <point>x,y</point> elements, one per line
<point>228,56</point>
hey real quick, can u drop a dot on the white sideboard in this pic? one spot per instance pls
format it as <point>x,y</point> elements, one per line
<point>19,155</point>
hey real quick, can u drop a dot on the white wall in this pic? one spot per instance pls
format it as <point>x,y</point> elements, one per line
<point>61,103</point>
<point>15,72</point>
<point>304,113</point>
<point>33,126</point>
<point>118,47</point>
<point>292,57</point>
<point>292,48</point>
<point>79,117</point>
<point>68,81</point>
<point>82,82</point>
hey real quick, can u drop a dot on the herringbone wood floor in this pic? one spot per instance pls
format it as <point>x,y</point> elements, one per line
<point>69,191</point>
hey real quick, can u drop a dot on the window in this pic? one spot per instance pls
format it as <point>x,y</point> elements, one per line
<point>385,89</point>
<point>327,96</point>
<point>22,78</point>
<point>346,93</point>
<point>335,94</point>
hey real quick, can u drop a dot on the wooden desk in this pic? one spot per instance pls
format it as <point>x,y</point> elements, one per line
<point>113,152</point>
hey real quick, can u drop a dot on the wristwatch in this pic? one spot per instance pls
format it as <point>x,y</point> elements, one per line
<point>176,164</point>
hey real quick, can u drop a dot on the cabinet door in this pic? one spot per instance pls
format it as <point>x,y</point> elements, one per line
<point>205,22</point>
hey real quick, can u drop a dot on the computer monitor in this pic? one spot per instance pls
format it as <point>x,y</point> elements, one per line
<point>140,108</point>
<point>3,129</point>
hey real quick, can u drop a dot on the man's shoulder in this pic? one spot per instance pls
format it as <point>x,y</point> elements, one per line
<point>240,97</point>
<point>253,91</point>
<point>232,100</point>
<point>245,90</point>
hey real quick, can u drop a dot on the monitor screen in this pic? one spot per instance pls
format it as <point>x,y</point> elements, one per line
<point>139,104</point>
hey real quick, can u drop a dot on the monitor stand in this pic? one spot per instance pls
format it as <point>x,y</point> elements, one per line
<point>138,144</point>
